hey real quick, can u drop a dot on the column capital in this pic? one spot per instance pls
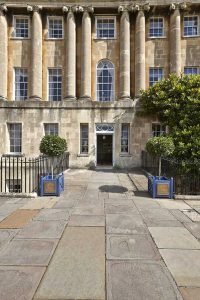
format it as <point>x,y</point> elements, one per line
<point>3,8</point>
<point>88,9</point>
<point>178,6</point>
<point>72,9</point>
<point>34,8</point>
<point>140,7</point>
<point>124,8</point>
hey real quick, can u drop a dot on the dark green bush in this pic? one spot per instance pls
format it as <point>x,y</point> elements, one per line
<point>52,145</point>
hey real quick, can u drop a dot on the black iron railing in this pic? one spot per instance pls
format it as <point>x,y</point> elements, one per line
<point>186,174</point>
<point>22,175</point>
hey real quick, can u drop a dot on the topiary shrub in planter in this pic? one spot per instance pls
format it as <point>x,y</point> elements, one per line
<point>52,146</point>
<point>160,186</point>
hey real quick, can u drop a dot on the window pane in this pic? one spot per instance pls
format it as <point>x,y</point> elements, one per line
<point>84,138</point>
<point>55,28</point>
<point>105,81</point>
<point>190,26</point>
<point>55,84</point>
<point>158,129</point>
<point>105,28</point>
<point>15,137</point>
<point>155,74</point>
<point>21,84</point>
<point>125,138</point>
<point>51,128</point>
<point>156,27</point>
<point>21,27</point>
<point>191,71</point>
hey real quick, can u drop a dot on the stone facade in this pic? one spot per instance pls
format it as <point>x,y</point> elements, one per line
<point>132,52</point>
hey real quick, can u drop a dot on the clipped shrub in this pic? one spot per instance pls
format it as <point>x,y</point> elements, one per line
<point>51,145</point>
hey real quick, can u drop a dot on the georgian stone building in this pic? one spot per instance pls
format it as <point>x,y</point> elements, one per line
<point>76,69</point>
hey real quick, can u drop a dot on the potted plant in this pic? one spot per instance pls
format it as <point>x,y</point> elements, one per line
<point>52,146</point>
<point>160,186</point>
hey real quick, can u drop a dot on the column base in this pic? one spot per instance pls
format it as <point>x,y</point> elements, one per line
<point>35,98</point>
<point>2,98</point>
<point>68,98</point>
<point>85,98</point>
<point>124,98</point>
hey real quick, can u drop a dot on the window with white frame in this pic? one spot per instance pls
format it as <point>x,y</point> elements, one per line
<point>156,27</point>
<point>190,70</point>
<point>190,25</point>
<point>55,27</point>
<point>105,81</point>
<point>21,83</point>
<point>125,138</point>
<point>55,84</point>
<point>14,185</point>
<point>105,27</point>
<point>21,27</point>
<point>155,74</point>
<point>51,128</point>
<point>158,129</point>
<point>15,137</point>
<point>84,138</point>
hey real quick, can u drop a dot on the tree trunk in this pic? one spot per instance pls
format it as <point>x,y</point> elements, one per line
<point>160,162</point>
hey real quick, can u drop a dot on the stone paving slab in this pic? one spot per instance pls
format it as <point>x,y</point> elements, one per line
<point>163,223</point>
<point>143,203</point>
<point>42,230</point>
<point>8,208</point>
<point>172,204</point>
<point>18,219</point>
<point>2,218</point>
<point>40,203</point>
<point>88,210</point>
<point>120,209</point>
<point>6,235</point>
<point>131,247</point>
<point>194,228</point>
<point>86,221</point>
<point>125,224</point>
<point>66,204</point>
<point>190,293</point>
<point>157,214</point>
<point>140,280</point>
<point>28,252</point>
<point>174,238</point>
<point>193,203</point>
<point>52,214</point>
<point>192,214</point>
<point>179,215</point>
<point>77,269</point>
<point>17,283</point>
<point>184,266</point>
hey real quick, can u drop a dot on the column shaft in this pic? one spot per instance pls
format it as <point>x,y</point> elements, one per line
<point>86,56</point>
<point>36,68</point>
<point>140,53</point>
<point>71,56</point>
<point>175,42</point>
<point>125,55</point>
<point>3,56</point>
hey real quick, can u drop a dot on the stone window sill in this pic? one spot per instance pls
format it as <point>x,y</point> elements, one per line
<point>82,155</point>
<point>156,37</point>
<point>13,155</point>
<point>54,39</point>
<point>125,155</point>
<point>105,39</point>
<point>20,38</point>
<point>190,36</point>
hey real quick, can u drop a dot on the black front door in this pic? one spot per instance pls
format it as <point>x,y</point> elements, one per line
<point>104,149</point>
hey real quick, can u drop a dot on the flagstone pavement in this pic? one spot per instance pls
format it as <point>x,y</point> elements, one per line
<point>103,239</point>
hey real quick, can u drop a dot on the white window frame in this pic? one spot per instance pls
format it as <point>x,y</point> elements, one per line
<point>191,16</point>
<point>154,36</point>
<point>13,123</point>
<point>103,17</point>
<point>55,18</point>
<point>191,67</point>
<point>14,27</point>
<point>162,131</point>
<point>122,152</point>
<point>113,81</point>
<point>80,139</point>
<point>50,123</point>
<point>151,68</point>
<point>14,74</point>
<point>54,68</point>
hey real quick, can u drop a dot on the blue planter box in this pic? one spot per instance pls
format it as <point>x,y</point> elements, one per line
<point>51,186</point>
<point>161,187</point>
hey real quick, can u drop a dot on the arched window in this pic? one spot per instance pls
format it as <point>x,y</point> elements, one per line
<point>105,81</point>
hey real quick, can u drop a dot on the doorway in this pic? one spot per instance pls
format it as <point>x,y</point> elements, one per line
<point>105,149</point>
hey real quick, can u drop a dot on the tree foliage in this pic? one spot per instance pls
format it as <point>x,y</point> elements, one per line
<point>160,146</point>
<point>53,145</point>
<point>176,102</point>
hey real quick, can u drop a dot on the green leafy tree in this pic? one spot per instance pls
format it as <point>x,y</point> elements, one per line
<point>176,103</point>
<point>52,146</point>
<point>160,146</point>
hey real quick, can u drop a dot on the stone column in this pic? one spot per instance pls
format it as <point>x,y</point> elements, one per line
<point>86,54</point>
<point>175,41</point>
<point>36,55</point>
<point>3,53</point>
<point>124,54</point>
<point>70,56</point>
<point>140,53</point>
